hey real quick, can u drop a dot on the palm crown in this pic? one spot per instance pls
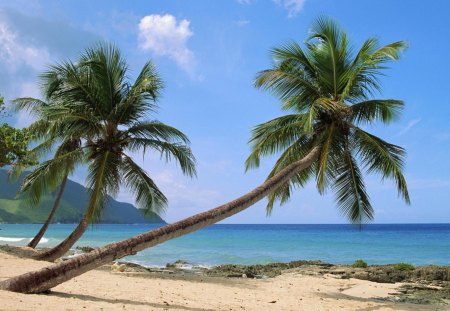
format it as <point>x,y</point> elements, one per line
<point>329,90</point>
<point>98,118</point>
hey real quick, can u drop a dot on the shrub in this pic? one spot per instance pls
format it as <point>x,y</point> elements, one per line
<point>360,264</point>
<point>403,266</point>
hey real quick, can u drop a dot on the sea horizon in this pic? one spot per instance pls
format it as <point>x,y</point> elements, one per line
<point>417,244</point>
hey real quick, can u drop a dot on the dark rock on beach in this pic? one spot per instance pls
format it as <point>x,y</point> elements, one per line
<point>261,271</point>
<point>84,249</point>
<point>390,274</point>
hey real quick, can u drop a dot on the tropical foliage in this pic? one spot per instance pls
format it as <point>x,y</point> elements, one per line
<point>96,116</point>
<point>14,143</point>
<point>328,89</point>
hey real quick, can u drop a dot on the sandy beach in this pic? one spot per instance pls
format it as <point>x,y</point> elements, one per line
<point>106,290</point>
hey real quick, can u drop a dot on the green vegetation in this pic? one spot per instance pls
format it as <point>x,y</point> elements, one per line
<point>101,118</point>
<point>14,143</point>
<point>2,106</point>
<point>71,210</point>
<point>403,266</point>
<point>360,264</point>
<point>91,100</point>
<point>327,88</point>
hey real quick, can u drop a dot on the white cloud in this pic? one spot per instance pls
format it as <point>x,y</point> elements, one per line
<point>408,127</point>
<point>242,22</point>
<point>164,36</point>
<point>244,1</point>
<point>292,6</point>
<point>15,53</point>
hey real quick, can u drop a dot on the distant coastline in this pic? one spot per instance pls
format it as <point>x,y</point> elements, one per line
<point>15,209</point>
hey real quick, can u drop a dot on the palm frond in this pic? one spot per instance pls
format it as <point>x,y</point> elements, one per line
<point>107,70</point>
<point>156,130</point>
<point>103,180</point>
<point>386,111</point>
<point>274,136</point>
<point>325,163</point>
<point>48,175</point>
<point>294,153</point>
<point>382,157</point>
<point>362,76</point>
<point>179,152</point>
<point>351,196</point>
<point>32,105</point>
<point>147,194</point>
<point>139,98</point>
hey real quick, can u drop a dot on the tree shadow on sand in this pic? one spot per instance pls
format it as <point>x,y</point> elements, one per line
<point>126,301</point>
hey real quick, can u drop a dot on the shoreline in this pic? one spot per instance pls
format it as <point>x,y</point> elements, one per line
<point>103,289</point>
<point>423,286</point>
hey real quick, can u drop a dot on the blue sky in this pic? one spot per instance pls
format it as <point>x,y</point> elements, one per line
<point>208,53</point>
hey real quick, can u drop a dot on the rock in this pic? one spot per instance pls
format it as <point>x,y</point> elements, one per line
<point>84,249</point>
<point>177,264</point>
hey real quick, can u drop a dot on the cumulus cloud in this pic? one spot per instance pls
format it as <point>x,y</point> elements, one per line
<point>165,36</point>
<point>292,6</point>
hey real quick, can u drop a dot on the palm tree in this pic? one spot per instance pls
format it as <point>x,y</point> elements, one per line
<point>42,180</point>
<point>94,105</point>
<point>46,177</point>
<point>328,88</point>
<point>329,93</point>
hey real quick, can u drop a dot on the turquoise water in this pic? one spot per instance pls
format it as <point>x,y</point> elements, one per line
<point>418,244</point>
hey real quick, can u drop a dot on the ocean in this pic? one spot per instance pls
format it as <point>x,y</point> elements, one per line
<point>418,244</point>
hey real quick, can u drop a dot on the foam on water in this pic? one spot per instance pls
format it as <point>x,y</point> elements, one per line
<point>43,240</point>
<point>7,239</point>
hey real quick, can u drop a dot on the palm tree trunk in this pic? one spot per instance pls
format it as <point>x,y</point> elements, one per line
<point>46,278</point>
<point>41,232</point>
<point>63,247</point>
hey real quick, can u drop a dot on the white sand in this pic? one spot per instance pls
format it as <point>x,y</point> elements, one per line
<point>104,290</point>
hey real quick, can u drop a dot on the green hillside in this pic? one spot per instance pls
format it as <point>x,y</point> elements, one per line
<point>71,209</point>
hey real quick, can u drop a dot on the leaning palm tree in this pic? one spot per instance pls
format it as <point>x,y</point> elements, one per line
<point>92,102</point>
<point>46,177</point>
<point>328,89</point>
<point>41,180</point>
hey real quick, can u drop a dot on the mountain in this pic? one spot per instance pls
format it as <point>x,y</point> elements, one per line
<point>71,208</point>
